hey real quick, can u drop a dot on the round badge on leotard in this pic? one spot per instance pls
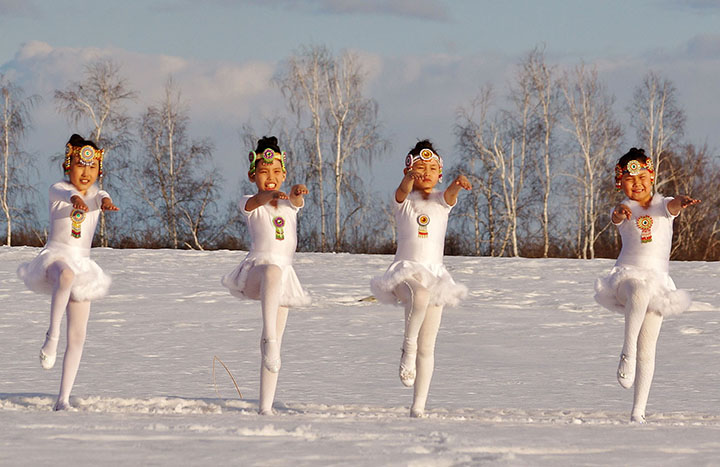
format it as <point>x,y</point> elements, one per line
<point>76,217</point>
<point>423,220</point>
<point>645,223</point>
<point>279,223</point>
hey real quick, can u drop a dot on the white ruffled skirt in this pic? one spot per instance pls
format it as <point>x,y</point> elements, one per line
<point>90,282</point>
<point>292,292</point>
<point>434,277</point>
<point>665,298</point>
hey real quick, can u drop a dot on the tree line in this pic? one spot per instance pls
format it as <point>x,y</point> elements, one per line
<point>540,155</point>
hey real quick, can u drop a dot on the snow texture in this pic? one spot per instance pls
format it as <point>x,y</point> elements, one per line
<point>525,370</point>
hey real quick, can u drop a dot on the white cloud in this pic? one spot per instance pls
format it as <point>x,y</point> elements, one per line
<point>213,88</point>
<point>418,96</point>
<point>221,96</point>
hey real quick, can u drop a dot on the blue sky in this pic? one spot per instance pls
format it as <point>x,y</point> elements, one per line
<point>424,58</point>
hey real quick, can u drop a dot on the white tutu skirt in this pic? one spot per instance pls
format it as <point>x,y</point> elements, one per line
<point>665,299</point>
<point>434,277</point>
<point>90,281</point>
<point>292,292</point>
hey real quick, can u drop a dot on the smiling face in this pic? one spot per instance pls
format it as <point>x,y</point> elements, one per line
<point>430,171</point>
<point>637,187</point>
<point>83,176</point>
<point>268,176</point>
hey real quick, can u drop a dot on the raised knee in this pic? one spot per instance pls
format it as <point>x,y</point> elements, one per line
<point>66,277</point>
<point>421,296</point>
<point>632,289</point>
<point>272,272</point>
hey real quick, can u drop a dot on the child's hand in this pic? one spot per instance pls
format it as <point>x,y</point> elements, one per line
<point>679,203</point>
<point>463,182</point>
<point>412,175</point>
<point>279,195</point>
<point>107,205</point>
<point>451,192</point>
<point>78,203</point>
<point>621,213</point>
<point>296,194</point>
<point>299,190</point>
<point>686,201</point>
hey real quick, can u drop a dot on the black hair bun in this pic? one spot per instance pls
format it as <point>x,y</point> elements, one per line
<point>266,142</point>
<point>78,141</point>
<point>423,144</point>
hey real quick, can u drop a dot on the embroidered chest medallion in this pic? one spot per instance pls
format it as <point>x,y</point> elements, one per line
<point>76,217</point>
<point>423,220</point>
<point>645,223</point>
<point>279,223</point>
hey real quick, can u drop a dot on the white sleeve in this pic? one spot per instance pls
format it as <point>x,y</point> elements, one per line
<point>666,201</point>
<point>60,192</point>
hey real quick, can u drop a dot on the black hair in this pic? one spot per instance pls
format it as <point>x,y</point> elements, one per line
<point>633,154</point>
<point>424,144</point>
<point>78,141</point>
<point>267,142</point>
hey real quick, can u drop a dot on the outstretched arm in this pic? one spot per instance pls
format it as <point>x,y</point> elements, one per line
<point>620,213</point>
<point>681,202</point>
<point>297,193</point>
<point>406,185</point>
<point>107,205</point>
<point>263,198</point>
<point>451,192</point>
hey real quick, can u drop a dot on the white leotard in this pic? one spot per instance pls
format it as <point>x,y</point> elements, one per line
<point>273,235</point>
<point>90,281</point>
<point>646,260</point>
<point>421,225</point>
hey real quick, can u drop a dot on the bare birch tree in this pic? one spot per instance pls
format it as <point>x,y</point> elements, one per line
<point>545,93</point>
<point>338,128</point>
<point>499,145</point>
<point>658,119</point>
<point>172,176</point>
<point>694,171</point>
<point>14,122</point>
<point>595,136</point>
<point>480,208</point>
<point>100,99</point>
<point>302,83</point>
<point>352,120</point>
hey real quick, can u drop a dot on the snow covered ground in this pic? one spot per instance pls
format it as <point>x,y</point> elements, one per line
<point>525,371</point>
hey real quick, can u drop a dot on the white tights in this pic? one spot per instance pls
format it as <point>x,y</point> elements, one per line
<point>422,322</point>
<point>265,283</point>
<point>62,278</point>
<point>642,329</point>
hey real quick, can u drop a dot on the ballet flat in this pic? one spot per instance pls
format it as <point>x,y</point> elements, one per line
<point>407,375</point>
<point>272,365</point>
<point>48,361</point>
<point>626,380</point>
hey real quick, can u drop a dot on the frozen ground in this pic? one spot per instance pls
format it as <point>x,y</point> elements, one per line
<point>525,371</point>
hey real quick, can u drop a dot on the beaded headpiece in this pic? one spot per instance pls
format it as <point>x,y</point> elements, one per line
<point>633,167</point>
<point>267,156</point>
<point>425,155</point>
<point>86,155</point>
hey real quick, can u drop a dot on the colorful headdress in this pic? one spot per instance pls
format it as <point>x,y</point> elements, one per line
<point>267,156</point>
<point>633,167</point>
<point>86,155</point>
<point>425,155</point>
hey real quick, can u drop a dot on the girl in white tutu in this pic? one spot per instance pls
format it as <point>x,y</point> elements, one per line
<point>639,285</point>
<point>417,277</point>
<point>266,273</point>
<point>63,268</point>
